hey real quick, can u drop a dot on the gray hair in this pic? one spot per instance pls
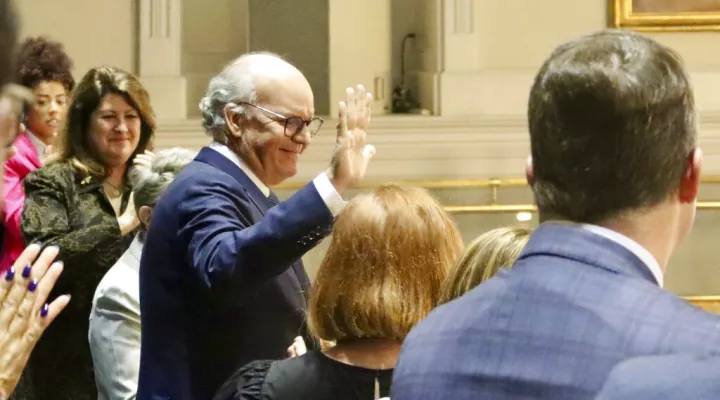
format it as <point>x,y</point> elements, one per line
<point>149,183</point>
<point>235,84</point>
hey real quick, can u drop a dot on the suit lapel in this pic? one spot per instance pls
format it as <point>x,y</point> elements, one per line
<point>219,161</point>
<point>257,197</point>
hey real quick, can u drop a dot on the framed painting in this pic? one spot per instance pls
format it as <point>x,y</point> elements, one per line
<point>666,15</point>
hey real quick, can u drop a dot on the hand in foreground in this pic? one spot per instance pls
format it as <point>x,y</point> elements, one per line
<point>24,315</point>
<point>129,220</point>
<point>352,153</point>
<point>145,159</point>
<point>298,348</point>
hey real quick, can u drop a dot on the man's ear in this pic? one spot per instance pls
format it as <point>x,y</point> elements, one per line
<point>529,170</point>
<point>145,215</point>
<point>233,119</point>
<point>690,182</point>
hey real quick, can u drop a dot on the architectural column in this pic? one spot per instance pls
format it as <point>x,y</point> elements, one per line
<point>160,59</point>
<point>461,59</point>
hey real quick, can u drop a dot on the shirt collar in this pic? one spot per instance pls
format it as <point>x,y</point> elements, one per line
<point>38,144</point>
<point>224,150</point>
<point>135,251</point>
<point>633,246</point>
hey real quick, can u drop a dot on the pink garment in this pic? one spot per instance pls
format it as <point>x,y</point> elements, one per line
<point>24,161</point>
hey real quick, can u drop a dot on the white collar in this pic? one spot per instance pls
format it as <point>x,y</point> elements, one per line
<point>38,144</point>
<point>229,154</point>
<point>136,247</point>
<point>635,248</point>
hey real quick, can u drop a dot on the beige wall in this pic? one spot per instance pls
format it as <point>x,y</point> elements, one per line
<point>475,61</point>
<point>489,70</point>
<point>214,33</point>
<point>95,32</point>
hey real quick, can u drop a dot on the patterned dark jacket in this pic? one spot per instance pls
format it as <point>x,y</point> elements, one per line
<point>73,213</point>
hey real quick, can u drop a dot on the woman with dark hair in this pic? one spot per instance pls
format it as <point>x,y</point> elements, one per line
<point>44,68</point>
<point>81,201</point>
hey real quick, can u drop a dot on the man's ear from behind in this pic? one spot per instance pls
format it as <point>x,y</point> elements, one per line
<point>690,182</point>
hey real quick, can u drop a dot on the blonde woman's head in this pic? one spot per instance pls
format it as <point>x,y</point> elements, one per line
<point>498,248</point>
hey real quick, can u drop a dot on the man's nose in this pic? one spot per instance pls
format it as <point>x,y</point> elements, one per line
<point>303,136</point>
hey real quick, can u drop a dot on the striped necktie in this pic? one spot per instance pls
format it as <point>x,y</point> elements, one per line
<point>273,199</point>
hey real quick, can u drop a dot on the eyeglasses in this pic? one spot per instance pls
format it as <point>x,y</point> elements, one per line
<point>293,125</point>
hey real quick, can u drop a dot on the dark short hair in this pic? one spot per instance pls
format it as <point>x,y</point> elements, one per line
<point>612,125</point>
<point>41,59</point>
<point>8,40</point>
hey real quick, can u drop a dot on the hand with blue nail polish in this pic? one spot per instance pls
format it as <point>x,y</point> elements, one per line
<point>24,313</point>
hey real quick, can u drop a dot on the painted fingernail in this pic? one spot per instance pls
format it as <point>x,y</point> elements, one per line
<point>33,285</point>
<point>26,271</point>
<point>44,311</point>
<point>10,274</point>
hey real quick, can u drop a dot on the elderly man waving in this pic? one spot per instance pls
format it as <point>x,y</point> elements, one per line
<point>221,282</point>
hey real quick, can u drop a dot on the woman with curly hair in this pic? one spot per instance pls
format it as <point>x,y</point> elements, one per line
<point>43,67</point>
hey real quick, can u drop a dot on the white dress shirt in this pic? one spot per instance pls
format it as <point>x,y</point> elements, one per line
<point>330,196</point>
<point>633,246</point>
<point>38,144</point>
<point>114,333</point>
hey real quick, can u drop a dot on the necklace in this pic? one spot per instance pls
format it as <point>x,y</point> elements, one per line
<point>115,191</point>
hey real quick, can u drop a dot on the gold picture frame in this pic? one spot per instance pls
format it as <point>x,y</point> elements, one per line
<point>666,15</point>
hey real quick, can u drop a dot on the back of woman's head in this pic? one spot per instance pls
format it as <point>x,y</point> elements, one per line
<point>498,248</point>
<point>73,144</point>
<point>389,254</point>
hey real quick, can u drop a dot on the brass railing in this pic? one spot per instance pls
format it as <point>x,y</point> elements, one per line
<point>707,303</point>
<point>493,207</point>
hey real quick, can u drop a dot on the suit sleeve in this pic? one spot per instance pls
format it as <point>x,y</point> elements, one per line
<point>230,253</point>
<point>115,344</point>
<point>45,219</point>
<point>14,199</point>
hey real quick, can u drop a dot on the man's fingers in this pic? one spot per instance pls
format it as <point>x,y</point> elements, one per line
<point>368,111</point>
<point>352,109</point>
<point>368,151</point>
<point>342,126</point>
<point>360,103</point>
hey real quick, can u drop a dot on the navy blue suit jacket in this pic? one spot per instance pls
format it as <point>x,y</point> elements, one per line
<point>574,305</point>
<point>671,377</point>
<point>221,281</point>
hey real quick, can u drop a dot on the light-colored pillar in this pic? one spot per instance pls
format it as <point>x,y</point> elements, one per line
<point>160,59</point>
<point>460,81</point>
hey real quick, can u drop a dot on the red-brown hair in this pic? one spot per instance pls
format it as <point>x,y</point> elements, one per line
<point>389,254</point>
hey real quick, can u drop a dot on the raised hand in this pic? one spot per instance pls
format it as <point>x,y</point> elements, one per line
<point>129,220</point>
<point>352,153</point>
<point>24,315</point>
<point>145,159</point>
<point>298,347</point>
